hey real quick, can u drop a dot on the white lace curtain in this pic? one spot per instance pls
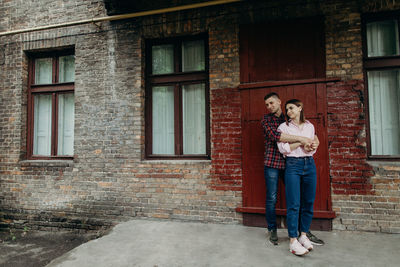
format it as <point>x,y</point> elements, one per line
<point>163,120</point>
<point>384,90</point>
<point>42,125</point>
<point>43,71</point>
<point>193,101</point>
<point>194,119</point>
<point>42,128</point>
<point>66,108</point>
<point>66,71</point>
<point>382,38</point>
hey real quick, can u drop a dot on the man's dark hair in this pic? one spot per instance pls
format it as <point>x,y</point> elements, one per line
<point>271,94</point>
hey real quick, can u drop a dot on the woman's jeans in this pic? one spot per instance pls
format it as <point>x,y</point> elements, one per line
<point>271,176</point>
<point>300,185</point>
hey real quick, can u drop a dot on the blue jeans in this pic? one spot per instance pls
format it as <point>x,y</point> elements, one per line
<point>271,176</point>
<point>300,185</point>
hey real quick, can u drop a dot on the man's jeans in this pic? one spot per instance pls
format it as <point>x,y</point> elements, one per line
<point>300,184</point>
<point>271,176</point>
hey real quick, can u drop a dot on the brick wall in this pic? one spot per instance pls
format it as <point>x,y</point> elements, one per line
<point>109,180</point>
<point>226,139</point>
<point>364,195</point>
<point>349,170</point>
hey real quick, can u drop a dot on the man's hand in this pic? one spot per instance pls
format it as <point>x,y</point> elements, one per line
<point>313,145</point>
<point>305,141</point>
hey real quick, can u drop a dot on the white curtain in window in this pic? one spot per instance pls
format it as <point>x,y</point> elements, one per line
<point>163,120</point>
<point>384,100</point>
<point>42,125</point>
<point>193,58</point>
<point>43,71</point>
<point>382,38</point>
<point>65,124</point>
<point>163,59</point>
<point>66,69</point>
<point>194,119</point>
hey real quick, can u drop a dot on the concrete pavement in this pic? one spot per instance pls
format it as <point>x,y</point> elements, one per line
<point>167,243</point>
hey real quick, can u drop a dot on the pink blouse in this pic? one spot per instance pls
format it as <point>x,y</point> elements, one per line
<point>292,129</point>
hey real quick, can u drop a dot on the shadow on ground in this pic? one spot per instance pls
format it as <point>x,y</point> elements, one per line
<point>38,248</point>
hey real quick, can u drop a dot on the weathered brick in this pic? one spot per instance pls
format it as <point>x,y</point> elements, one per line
<point>109,180</point>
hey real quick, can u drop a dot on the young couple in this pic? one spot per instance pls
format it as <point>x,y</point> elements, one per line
<point>290,143</point>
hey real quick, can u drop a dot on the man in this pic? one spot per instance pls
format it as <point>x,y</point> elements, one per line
<point>274,163</point>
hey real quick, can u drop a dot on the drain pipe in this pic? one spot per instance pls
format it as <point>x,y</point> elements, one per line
<point>120,17</point>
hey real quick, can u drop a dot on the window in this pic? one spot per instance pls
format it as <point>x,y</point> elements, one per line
<point>177,109</point>
<point>51,105</point>
<point>382,69</point>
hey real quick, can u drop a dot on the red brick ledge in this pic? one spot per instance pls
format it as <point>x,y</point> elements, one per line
<point>317,213</point>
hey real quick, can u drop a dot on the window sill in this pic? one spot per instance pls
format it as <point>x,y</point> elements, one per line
<point>47,163</point>
<point>383,164</point>
<point>384,159</point>
<point>177,162</point>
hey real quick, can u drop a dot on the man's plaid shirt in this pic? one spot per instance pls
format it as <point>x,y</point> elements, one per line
<point>272,157</point>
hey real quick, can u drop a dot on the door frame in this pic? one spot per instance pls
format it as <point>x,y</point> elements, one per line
<point>254,216</point>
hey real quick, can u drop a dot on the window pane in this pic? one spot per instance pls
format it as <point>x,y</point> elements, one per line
<point>382,38</point>
<point>193,56</point>
<point>194,119</point>
<point>383,91</point>
<point>42,125</point>
<point>163,59</point>
<point>163,120</point>
<point>66,69</point>
<point>43,71</point>
<point>65,124</point>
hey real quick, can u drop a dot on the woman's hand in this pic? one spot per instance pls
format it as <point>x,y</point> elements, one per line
<point>315,143</point>
<point>312,146</point>
<point>309,147</point>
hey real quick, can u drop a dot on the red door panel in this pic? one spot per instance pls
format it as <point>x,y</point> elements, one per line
<point>253,144</point>
<point>282,50</point>
<point>287,57</point>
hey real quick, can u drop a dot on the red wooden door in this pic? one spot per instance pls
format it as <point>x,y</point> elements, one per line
<point>287,58</point>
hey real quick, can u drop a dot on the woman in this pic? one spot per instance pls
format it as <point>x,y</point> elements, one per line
<point>300,177</point>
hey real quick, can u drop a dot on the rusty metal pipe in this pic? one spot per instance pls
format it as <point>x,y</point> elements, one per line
<point>120,17</point>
